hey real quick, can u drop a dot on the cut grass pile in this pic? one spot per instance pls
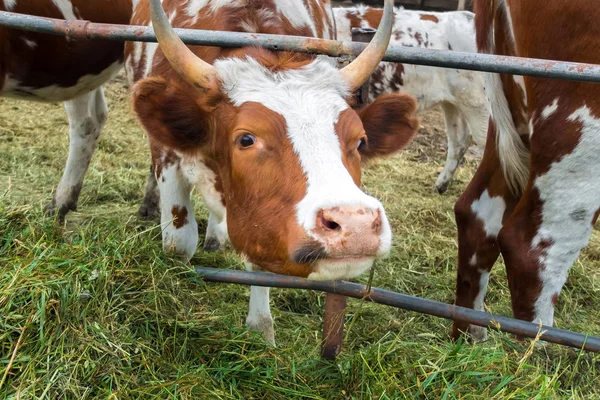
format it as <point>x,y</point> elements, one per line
<point>94,309</point>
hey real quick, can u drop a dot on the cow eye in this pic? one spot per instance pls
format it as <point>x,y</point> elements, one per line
<point>362,143</point>
<point>246,140</point>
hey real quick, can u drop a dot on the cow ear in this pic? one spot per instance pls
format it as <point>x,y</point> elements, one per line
<point>390,122</point>
<point>173,115</point>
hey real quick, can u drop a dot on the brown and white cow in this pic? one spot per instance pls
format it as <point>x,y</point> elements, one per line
<point>41,67</point>
<point>460,93</point>
<point>268,139</point>
<point>536,194</point>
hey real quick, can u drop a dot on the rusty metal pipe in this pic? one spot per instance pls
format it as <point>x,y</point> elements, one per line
<point>437,58</point>
<point>406,302</point>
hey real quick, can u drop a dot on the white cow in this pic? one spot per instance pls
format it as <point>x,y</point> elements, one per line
<point>460,93</point>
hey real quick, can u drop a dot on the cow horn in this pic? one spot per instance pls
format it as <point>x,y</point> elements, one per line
<point>358,71</point>
<point>189,66</point>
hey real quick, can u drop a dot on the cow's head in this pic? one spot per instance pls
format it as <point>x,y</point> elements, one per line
<point>286,146</point>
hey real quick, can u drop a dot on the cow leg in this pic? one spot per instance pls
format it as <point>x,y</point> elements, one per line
<point>179,226</point>
<point>479,214</point>
<point>259,315</point>
<point>150,207</point>
<point>87,115</point>
<point>457,146</point>
<point>216,232</point>
<point>554,219</point>
<point>476,118</point>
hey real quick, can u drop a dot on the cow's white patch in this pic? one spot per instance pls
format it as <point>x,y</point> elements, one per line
<point>483,284</point>
<point>55,93</point>
<point>489,210</point>
<point>134,4</point>
<point>296,13</point>
<point>479,333</point>
<point>530,125</point>
<point>310,99</point>
<point>31,43</point>
<point>194,7</point>
<point>570,192</point>
<point>550,109</point>
<point>473,260</point>
<point>10,4</point>
<point>66,9</point>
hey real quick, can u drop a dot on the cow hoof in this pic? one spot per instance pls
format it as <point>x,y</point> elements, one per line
<point>477,333</point>
<point>264,325</point>
<point>211,245</point>
<point>442,188</point>
<point>60,212</point>
<point>149,212</point>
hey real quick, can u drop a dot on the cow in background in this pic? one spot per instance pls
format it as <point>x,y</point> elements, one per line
<point>268,139</point>
<point>460,93</point>
<point>49,68</point>
<point>536,194</point>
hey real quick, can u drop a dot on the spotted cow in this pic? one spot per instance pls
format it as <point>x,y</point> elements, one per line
<point>267,138</point>
<point>460,93</point>
<point>536,194</point>
<point>49,68</point>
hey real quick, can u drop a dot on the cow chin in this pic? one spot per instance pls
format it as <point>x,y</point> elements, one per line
<point>340,268</point>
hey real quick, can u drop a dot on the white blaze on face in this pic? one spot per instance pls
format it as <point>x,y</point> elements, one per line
<point>310,100</point>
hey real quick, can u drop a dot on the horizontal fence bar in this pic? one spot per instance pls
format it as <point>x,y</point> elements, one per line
<point>411,303</point>
<point>78,29</point>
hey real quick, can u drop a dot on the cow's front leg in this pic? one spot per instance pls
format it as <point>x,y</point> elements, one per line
<point>178,223</point>
<point>259,314</point>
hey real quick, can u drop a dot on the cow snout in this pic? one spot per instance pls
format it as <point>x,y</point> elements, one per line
<point>349,231</point>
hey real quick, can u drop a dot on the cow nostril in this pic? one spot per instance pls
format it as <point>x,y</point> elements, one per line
<point>328,223</point>
<point>331,225</point>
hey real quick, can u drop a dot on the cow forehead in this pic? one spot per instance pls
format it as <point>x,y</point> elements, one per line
<point>314,94</point>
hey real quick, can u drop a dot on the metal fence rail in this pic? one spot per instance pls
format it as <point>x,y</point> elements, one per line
<point>439,58</point>
<point>412,303</point>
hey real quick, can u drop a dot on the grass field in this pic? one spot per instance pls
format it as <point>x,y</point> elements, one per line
<point>94,309</point>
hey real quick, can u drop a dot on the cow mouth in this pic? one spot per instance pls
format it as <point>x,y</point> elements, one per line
<point>346,267</point>
<point>313,253</point>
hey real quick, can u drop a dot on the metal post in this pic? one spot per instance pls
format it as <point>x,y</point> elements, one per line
<point>461,5</point>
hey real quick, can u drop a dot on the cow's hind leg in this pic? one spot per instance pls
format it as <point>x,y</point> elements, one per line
<point>259,314</point>
<point>554,219</point>
<point>458,142</point>
<point>479,214</point>
<point>87,115</point>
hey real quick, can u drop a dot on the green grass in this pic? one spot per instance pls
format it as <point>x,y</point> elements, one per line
<point>94,309</point>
